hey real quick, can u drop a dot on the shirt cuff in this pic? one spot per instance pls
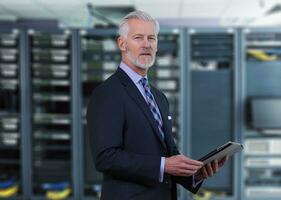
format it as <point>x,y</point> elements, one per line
<point>194,182</point>
<point>162,165</point>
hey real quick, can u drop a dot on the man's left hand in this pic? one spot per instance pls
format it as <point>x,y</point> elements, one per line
<point>209,169</point>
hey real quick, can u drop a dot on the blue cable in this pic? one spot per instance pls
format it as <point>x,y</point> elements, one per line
<point>55,186</point>
<point>8,183</point>
<point>272,51</point>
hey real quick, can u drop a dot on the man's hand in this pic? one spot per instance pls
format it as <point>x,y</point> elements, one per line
<point>210,169</point>
<point>181,165</point>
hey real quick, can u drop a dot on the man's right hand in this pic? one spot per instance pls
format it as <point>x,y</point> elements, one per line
<point>181,165</point>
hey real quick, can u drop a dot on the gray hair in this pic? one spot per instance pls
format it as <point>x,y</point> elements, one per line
<point>124,28</point>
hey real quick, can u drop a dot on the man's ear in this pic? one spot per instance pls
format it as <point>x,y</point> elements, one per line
<point>121,43</point>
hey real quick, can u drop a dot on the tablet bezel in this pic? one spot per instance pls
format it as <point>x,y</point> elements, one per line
<point>227,149</point>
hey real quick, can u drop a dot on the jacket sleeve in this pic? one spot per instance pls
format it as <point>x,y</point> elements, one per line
<point>106,123</point>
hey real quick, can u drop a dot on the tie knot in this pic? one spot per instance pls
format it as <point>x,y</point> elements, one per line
<point>144,82</point>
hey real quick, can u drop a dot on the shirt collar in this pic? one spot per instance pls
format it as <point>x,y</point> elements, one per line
<point>131,73</point>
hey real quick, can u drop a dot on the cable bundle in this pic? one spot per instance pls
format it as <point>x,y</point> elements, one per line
<point>57,191</point>
<point>262,55</point>
<point>8,188</point>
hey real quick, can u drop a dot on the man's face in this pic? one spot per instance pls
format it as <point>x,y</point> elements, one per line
<point>140,46</point>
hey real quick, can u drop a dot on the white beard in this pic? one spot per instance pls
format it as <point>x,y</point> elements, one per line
<point>136,62</point>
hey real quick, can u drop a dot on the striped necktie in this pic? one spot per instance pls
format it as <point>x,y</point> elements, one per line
<point>152,105</point>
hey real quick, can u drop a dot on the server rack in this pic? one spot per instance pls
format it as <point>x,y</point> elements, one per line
<point>212,79</point>
<point>10,114</point>
<point>165,75</point>
<point>51,121</point>
<point>100,57</point>
<point>53,64</point>
<point>261,79</point>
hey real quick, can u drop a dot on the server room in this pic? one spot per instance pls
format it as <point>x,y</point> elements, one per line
<point>75,125</point>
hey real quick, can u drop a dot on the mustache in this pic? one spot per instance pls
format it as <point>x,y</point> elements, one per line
<point>146,50</point>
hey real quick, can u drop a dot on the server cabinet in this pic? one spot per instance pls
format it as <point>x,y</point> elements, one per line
<point>261,113</point>
<point>10,135</point>
<point>49,54</point>
<point>165,74</point>
<point>100,58</point>
<point>211,67</point>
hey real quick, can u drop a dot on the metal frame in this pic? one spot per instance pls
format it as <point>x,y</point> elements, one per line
<point>185,99</point>
<point>78,51</point>
<point>235,115</point>
<point>76,105</point>
<point>243,93</point>
<point>28,116</point>
<point>24,111</point>
<point>25,92</point>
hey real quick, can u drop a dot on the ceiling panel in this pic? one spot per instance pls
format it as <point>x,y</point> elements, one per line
<point>159,2</point>
<point>209,9</point>
<point>4,11</point>
<point>69,11</point>
<point>75,22</point>
<point>165,10</point>
<point>247,8</point>
<point>109,2</point>
<point>27,11</point>
<point>16,2</point>
<point>235,12</point>
<point>271,20</point>
<point>59,2</point>
<point>204,2</point>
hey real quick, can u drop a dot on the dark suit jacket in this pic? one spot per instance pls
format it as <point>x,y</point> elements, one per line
<point>126,144</point>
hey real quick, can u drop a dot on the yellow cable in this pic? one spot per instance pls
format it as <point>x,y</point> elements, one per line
<point>57,195</point>
<point>8,192</point>
<point>261,55</point>
<point>205,196</point>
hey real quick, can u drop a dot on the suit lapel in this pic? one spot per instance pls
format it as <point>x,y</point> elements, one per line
<point>134,93</point>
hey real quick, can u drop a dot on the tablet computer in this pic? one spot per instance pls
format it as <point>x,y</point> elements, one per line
<point>228,149</point>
